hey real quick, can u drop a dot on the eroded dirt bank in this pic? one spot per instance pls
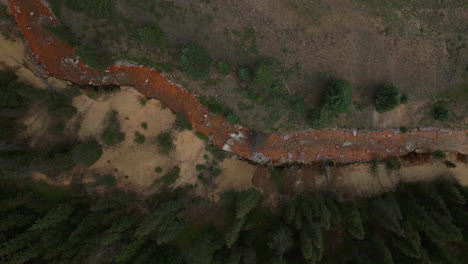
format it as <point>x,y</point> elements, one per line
<point>341,145</point>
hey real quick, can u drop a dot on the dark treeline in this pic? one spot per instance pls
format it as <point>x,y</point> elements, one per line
<point>417,223</point>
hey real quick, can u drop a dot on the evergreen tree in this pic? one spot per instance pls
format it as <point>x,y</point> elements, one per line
<point>450,191</point>
<point>246,201</point>
<point>353,221</point>
<point>233,233</point>
<point>54,216</point>
<point>114,233</point>
<point>307,247</point>
<point>128,251</point>
<point>410,245</point>
<point>335,212</point>
<point>290,211</point>
<point>281,242</point>
<point>387,213</point>
<point>325,215</point>
<point>16,220</point>
<point>381,253</point>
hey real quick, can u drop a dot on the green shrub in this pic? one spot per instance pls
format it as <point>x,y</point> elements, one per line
<point>441,112</point>
<point>151,35</point>
<point>387,99</point>
<point>319,117</point>
<point>95,58</point>
<point>144,125</point>
<point>87,153</point>
<point>219,108</point>
<point>393,163</point>
<point>224,67</point>
<point>244,73</point>
<point>112,134</point>
<point>439,154</point>
<point>338,96</point>
<point>164,141</point>
<point>172,176</point>
<point>182,123</point>
<point>450,164</point>
<point>195,61</point>
<point>403,129</point>
<point>158,169</point>
<point>265,75</point>
<point>139,138</point>
<point>64,33</point>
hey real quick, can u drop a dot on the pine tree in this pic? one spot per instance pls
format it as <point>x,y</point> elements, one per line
<point>353,221</point>
<point>325,215</point>
<point>450,191</point>
<point>114,233</point>
<point>281,241</point>
<point>298,220</point>
<point>246,201</point>
<point>25,255</point>
<point>290,211</point>
<point>85,227</point>
<point>16,220</point>
<point>381,253</point>
<point>335,212</point>
<point>387,213</point>
<point>410,245</point>
<point>317,238</point>
<point>53,217</point>
<point>233,233</point>
<point>307,247</point>
<point>128,251</point>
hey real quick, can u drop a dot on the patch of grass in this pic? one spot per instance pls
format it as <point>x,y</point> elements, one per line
<point>112,134</point>
<point>195,61</point>
<point>144,125</point>
<point>139,138</point>
<point>95,58</point>
<point>165,142</point>
<point>158,169</point>
<point>224,67</point>
<point>393,164</point>
<point>182,123</point>
<point>172,176</point>
<point>151,35</point>
<point>218,108</point>
<point>60,105</point>
<point>64,33</point>
<point>95,8</point>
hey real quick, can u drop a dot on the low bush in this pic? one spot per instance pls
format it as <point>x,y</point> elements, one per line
<point>319,117</point>
<point>244,73</point>
<point>404,99</point>
<point>393,163</point>
<point>96,8</point>
<point>224,67</point>
<point>139,138</point>
<point>172,176</point>
<point>338,96</point>
<point>60,105</point>
<point>387,99</point>
<point>195,61</point>
<point>450,164</point>
<point>87,153</point>
<point>441,112</point>
<point>164,141</point>
<point>112,134</point>
<point>158,169</point>
<point>144,125</point>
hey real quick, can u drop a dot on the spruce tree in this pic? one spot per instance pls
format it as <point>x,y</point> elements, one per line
<point>281,241</point>
<point>115,231</point>
<point>246,201</point>
<point>53,217</point>
<point>410,245</point>
<point>353,221</point>
<point>129,250</point>
<point>233,233</point>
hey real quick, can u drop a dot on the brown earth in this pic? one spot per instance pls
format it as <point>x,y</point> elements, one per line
<point>304,146</point>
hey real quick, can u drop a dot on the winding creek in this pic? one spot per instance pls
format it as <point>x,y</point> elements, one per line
<point>342,145</point>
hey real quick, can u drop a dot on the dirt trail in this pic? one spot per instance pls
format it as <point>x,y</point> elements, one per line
<point>343,145</point>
